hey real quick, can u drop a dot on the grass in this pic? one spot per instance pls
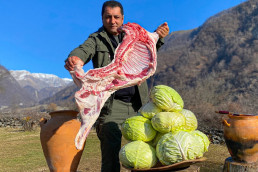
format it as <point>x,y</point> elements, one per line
<point>21,152</point>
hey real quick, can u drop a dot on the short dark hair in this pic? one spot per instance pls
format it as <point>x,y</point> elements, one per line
<point>112,4</point>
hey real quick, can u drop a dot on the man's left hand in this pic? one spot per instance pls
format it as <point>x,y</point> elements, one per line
<point>163,30</point>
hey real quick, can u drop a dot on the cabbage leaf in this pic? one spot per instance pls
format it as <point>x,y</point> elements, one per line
<point>149,110</point>
<point>138,155</point>
<point>165,122</point>
<point>191,122</point>
<point>204,140</point>
<point>138,128</point>
<point>167,98</point>
<point>177,147</point>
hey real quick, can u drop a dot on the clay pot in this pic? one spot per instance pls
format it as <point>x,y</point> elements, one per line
<point>57,137</point>
<point>241,136</point>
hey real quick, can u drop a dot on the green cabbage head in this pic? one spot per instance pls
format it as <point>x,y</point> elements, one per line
<point>165,122</point>
<point>138,155</point>
<point>191,123</point>
<point>138,128</point>
<point>149,110</point>
<point>204,140</point>
<point>167,98</point>
<point>177,147</point>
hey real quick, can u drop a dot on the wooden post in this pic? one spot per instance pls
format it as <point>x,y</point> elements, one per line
<point>192,168</point>
<point>232,166</point>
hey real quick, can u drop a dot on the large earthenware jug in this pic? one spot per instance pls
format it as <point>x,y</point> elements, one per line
<point>241,136</point>
<point>57,137</point>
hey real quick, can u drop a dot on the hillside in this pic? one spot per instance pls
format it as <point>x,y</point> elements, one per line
<point>11,93</point>
<point>65,97</point>
<point>215,65</point>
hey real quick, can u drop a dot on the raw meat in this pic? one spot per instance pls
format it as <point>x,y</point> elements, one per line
<point>134,61</point>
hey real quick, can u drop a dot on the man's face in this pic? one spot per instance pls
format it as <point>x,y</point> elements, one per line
<point>112,19</point>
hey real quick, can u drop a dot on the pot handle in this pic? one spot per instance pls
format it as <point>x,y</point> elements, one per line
<point>225,122</point>
<point>42,122</point>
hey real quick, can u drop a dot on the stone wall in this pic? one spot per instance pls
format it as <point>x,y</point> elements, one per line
<point>10,122</point>
<point>16,122</point>
<point>215,135</point>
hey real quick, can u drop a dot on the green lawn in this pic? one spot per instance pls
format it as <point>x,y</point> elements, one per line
<point>21,152</point>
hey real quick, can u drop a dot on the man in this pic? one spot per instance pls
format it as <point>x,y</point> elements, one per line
<point>100,47</point>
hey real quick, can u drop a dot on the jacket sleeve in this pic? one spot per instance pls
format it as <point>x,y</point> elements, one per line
<point>85,51</point>
<point>159,43</point>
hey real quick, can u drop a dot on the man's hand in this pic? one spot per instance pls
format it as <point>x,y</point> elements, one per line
<point>72,61</point>
<point>162,30</point>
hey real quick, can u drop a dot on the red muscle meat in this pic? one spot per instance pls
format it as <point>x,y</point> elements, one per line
<point>134,61</point>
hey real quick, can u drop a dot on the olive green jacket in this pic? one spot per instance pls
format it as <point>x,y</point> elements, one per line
<point>99,49</point>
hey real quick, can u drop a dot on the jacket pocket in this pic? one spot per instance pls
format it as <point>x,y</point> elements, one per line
<point>102,48</point>
<point>103,57</point>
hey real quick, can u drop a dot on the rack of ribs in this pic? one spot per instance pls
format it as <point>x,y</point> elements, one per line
<point>135,60</point>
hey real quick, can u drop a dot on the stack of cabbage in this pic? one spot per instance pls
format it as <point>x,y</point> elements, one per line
<point>163,131</point>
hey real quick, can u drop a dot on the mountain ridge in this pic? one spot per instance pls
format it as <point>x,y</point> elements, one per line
<point>8,86</point>
<point>222,53</point>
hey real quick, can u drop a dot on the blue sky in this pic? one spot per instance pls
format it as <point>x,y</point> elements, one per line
<point>38,35</point>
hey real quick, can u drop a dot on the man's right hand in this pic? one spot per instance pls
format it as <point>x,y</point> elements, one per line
<point>72,61</point>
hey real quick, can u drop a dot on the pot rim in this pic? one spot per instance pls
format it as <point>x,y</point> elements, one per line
<point>242,116</point>
<point>67,112</point>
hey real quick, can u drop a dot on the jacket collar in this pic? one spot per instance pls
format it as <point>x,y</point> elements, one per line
<point>103,33</point>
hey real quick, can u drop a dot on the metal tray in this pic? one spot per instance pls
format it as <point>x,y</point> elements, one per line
<point>179,165</point>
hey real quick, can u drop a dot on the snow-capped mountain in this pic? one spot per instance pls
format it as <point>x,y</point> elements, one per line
<point>40,85</point>
<point>39,80</point>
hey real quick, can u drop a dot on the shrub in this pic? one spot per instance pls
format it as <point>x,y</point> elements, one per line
<point>28,124</point>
